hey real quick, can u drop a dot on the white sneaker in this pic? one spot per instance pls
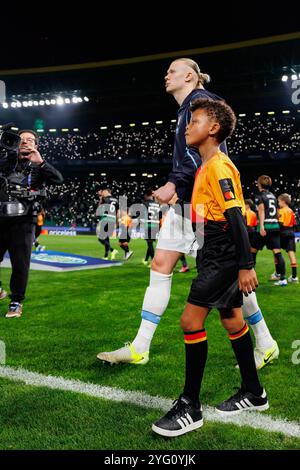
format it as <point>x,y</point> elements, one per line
<point>293,279</point>
<point>3,294</point>
<point>128,255</point>
<point>127,354</point>
<point>282,283</point>
<point>274,277</point>
<point>265,356</point>
<point>14,310</point>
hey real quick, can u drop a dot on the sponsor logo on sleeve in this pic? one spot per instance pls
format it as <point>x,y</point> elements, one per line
<point>227,189</point>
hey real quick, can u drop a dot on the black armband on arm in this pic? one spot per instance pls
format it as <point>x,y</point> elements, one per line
<point>240,237</point>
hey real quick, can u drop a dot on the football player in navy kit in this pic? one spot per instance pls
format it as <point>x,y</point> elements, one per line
<point>185,82</point>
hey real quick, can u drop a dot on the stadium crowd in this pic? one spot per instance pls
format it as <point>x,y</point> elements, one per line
<point>74,202</point>
<point>154,141</point>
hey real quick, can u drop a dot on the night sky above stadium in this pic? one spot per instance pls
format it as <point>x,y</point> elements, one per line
<point>107,37</point>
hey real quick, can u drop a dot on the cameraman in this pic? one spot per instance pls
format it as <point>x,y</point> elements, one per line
<point>28,172</point>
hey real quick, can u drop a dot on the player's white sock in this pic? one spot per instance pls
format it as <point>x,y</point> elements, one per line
<point>156,300</point>
<point>255,319</point>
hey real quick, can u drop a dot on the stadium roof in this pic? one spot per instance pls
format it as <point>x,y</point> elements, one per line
<point>87,36</point>
<point>121,67</point>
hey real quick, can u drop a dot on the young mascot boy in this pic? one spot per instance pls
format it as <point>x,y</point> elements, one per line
<point>225,272</point>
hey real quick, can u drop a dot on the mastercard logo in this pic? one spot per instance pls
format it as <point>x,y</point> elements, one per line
<point>228,195</point>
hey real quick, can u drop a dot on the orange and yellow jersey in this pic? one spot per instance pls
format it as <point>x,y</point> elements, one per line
<point>217,188</point>
<point>40,219</point>
<point>126,220</point>
<point>251,220</point>
<point>286,218</point>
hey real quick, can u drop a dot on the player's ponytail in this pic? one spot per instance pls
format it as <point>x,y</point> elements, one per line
<point>202,77</point>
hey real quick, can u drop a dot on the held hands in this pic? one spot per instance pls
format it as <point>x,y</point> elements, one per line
<point>247,281</point>
<point>173,200</point>
<point>165,193</point>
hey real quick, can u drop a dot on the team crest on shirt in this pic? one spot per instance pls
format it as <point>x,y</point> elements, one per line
<point>227,189</point>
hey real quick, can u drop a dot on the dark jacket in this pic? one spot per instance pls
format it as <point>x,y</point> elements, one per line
<point>32,177</point>
<point>186,160</point>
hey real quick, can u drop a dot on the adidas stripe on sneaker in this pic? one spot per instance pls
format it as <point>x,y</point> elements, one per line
<point>183,417</point>
<point>243,401</point>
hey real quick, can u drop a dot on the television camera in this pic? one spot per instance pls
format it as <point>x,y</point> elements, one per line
<point>16,197</point>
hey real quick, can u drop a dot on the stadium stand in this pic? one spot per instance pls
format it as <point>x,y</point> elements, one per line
<point>270,137</point>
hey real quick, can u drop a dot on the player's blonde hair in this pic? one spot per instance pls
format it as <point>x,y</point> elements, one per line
<point>202,77</point>
<point>286,198</point>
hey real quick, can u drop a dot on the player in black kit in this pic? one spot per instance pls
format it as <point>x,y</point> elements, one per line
<point>268,228</point>
<point>107,212</point>
<point>151,222</point>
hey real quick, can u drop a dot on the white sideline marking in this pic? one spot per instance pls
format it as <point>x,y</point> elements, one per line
<point>253,419</point>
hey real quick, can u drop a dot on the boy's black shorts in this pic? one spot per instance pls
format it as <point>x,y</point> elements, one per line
<point>287,241</point>
<point>216,285</point>
<point>271,240</point>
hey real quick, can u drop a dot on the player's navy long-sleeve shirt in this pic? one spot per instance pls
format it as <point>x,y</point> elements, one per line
<point>186,160</point>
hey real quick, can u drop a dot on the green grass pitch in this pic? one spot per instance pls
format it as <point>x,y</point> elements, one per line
<point>69,317</point>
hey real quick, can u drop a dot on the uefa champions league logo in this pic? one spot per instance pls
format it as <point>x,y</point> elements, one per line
<point>57,259</point>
